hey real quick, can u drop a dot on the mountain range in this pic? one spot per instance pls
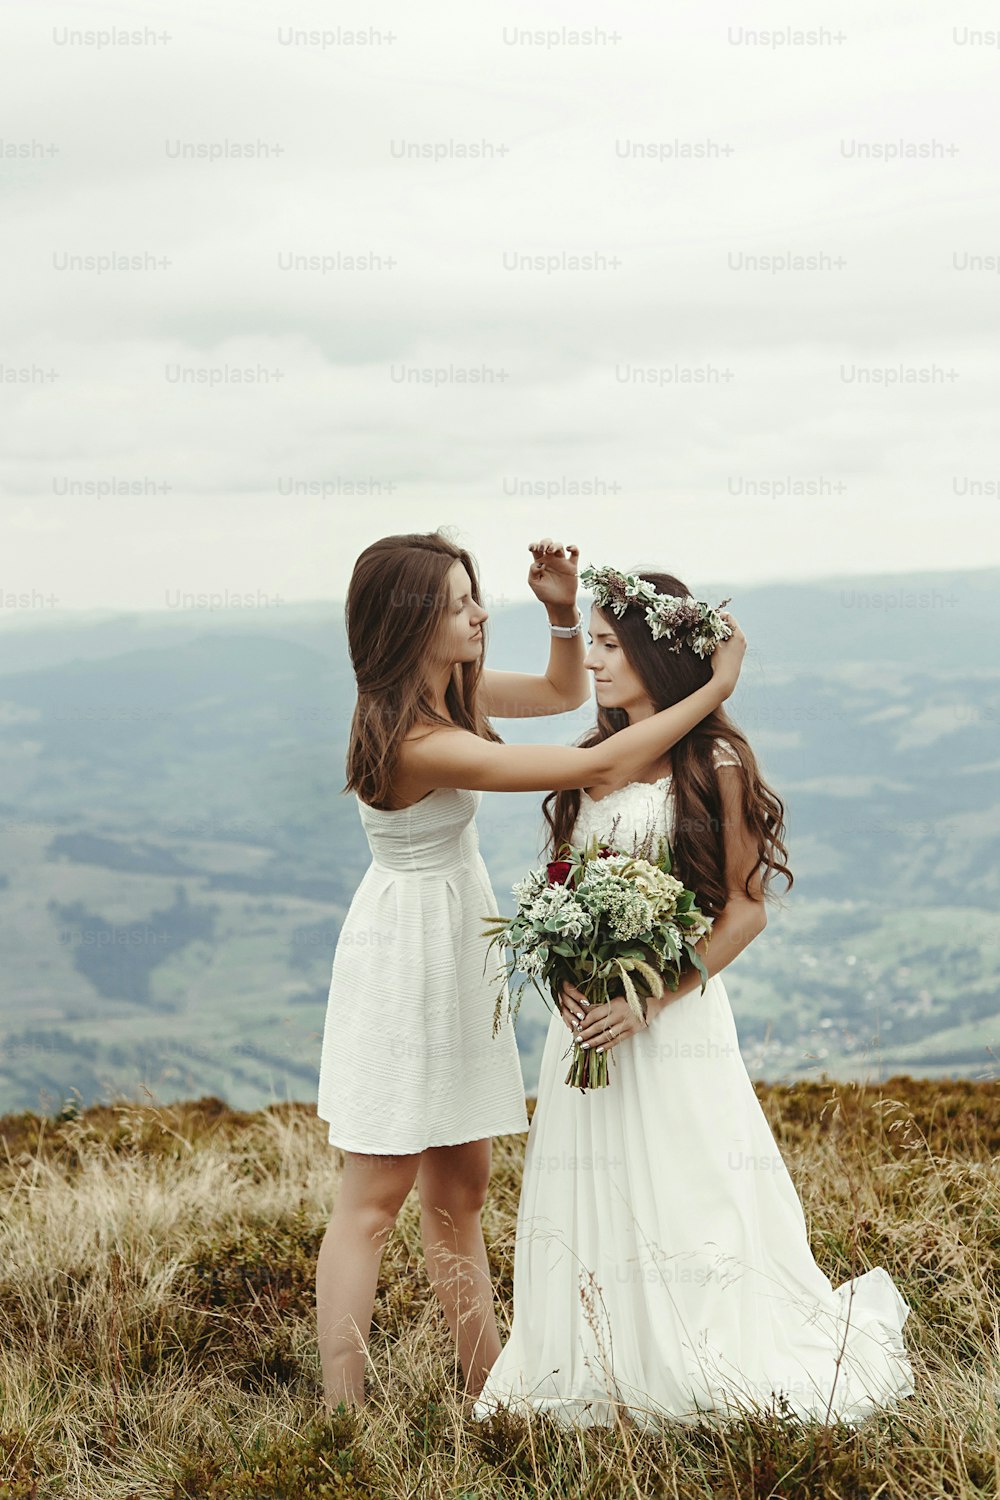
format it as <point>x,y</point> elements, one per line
<point>178,855</point>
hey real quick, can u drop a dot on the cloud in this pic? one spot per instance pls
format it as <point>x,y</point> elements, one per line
<point>474,270</point>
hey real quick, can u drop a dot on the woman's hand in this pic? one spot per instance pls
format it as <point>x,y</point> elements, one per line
<point>552,576</point>
<point>600,1026</point>
<point>727,658</point>
<point>572,1004</point>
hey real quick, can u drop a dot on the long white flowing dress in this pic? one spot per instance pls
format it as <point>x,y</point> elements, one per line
<point>409,1059</point>
<point>662,1259</point>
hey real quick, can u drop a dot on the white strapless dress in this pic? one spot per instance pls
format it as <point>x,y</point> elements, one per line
<point>662,1257</point>
<point>409,1059</point>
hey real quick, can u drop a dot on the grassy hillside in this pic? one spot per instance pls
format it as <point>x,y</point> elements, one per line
<point>157,1316</point>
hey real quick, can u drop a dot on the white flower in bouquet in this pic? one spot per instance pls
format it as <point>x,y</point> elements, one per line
<point>527,888</point>
<point>533,962</point>
<point>555,909</point>
<point>659,888</point>
<point>609,867</point>
<point>626,910</point>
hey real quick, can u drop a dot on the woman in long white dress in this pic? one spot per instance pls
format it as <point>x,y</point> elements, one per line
<point>662,1268</point>
<point>413,1082</point>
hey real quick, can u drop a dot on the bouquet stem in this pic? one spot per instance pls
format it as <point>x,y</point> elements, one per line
<point>589,1068</point>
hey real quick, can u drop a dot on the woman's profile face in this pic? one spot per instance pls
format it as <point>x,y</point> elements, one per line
<point>461,634</point>
<point>616,683</point>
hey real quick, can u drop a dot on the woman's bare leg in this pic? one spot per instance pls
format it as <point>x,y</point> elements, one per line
<point>372,1191</point>
<point>452,1182</point>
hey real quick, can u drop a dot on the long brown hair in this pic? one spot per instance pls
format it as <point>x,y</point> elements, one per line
<point>697,841</point>
<point>397,603</point>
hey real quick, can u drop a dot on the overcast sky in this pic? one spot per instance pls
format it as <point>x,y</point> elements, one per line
<point>677,372</point>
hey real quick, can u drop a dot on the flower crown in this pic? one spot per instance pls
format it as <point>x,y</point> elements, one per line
<point>685,621</point>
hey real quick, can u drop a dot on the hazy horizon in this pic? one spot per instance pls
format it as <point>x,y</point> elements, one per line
<point>27,619</point>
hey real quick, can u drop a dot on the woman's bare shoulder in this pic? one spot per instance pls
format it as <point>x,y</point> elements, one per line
<point>410,780</point>
<point>420,732</point>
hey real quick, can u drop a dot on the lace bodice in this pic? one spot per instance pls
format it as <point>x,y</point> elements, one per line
<point>629,813</point>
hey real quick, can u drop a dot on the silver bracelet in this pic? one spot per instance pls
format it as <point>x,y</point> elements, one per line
<point>567,632</point>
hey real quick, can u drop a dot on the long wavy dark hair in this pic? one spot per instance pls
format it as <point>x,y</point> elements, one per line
<point>697,842</point>
<point>397,603</point>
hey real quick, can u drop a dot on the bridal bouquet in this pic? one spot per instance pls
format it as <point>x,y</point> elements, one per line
<point>609,922</point>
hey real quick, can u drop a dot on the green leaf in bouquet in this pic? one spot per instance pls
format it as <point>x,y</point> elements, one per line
<point>699,964</point>
<point>670,943</point>
<point>486,957</point>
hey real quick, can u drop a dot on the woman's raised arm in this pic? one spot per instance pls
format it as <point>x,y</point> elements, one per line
<point>456,757</point>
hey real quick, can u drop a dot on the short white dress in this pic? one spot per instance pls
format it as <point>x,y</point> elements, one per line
<point>662,1257</point>
<point>409,1058</point>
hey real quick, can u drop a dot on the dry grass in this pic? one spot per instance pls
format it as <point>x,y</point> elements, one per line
<point>157,1306</point>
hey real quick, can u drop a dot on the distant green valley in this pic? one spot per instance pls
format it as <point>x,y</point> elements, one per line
<point>177,856</point>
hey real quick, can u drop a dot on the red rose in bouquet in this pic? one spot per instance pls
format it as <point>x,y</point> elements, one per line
<point>558,869</point>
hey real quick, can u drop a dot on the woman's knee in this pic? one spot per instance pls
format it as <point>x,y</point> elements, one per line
<point>455,1187</point>
<point>374,1190</point>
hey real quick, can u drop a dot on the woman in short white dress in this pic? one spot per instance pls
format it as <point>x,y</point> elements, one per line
<point>412,1081</point>
<point>662,1267</point>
